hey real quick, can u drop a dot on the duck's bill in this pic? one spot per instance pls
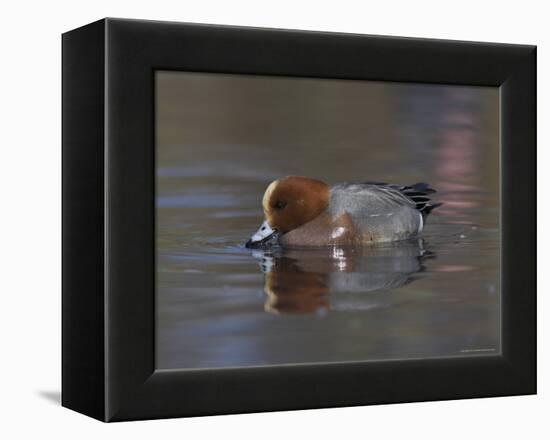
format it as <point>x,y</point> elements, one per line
<point>264,236</point>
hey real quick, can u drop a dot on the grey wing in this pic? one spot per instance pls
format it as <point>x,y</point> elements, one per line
<point>381,210</point>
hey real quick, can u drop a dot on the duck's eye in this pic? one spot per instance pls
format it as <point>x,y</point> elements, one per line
<point>279,204</point>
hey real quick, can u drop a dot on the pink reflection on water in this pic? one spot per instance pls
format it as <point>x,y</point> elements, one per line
<point>457,161</point>
<point>453,268</point>
<point>458,158</point>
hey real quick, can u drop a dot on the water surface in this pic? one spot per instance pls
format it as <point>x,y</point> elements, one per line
<point>222,138</point>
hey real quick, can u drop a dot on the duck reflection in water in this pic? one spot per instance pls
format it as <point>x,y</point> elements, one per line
<point>306,280</point>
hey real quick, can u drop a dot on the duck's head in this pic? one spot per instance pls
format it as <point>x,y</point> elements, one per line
<point>289,203</point>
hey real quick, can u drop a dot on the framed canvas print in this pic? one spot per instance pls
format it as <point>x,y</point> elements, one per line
<point>262,219</point>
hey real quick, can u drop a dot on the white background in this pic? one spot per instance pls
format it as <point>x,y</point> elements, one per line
<point>30,216</point>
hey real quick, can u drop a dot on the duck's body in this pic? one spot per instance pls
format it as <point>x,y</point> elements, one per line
<point>305,212</point>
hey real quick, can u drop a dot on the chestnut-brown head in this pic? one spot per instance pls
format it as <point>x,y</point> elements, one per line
<point>293,201</point>
<point>289,203</point>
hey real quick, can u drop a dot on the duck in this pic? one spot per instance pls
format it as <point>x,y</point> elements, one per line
<point>302,211</point>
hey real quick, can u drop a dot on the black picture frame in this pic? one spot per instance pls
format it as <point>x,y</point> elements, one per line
<point>109,216</point>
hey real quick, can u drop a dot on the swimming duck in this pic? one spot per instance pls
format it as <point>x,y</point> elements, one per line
<point>300,211</point>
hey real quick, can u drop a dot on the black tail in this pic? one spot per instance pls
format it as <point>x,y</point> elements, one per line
<point>418,193</point>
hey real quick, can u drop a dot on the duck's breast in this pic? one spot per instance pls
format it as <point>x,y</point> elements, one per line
<point>324,230</point>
